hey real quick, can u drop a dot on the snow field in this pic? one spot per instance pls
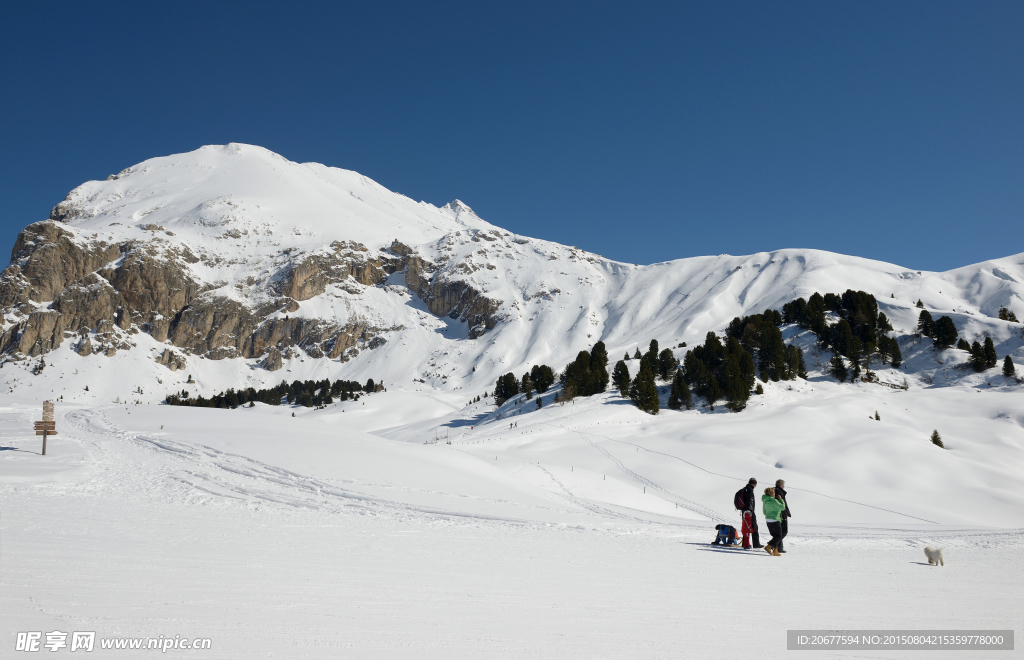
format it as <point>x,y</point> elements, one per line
<point>309,537</point>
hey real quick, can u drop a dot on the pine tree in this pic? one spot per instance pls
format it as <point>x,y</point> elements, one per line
<point>877,418</point>
<point>920,304</point>
<point>963,345</point>
<point>526,386</point>
<point>540,403</point>
<point>643,391</point>
<point>991,359</point>
<point>977,357</point>
<point>937,439</point>
<point>883,323</point>
<point>1009,370</point>
<point>943,332</point>
<point>897,355</point>
<point>925,324</point>
<point>1007,315</point>
<point>637,356</point>
<point>667,363</point>
<point>680,396</point>
<point>837,368</point>
<point>884,350</point>
<point>652,355</point>
<point>505,388</point>
<point>542,376</point>
<point>625,358</point>
<point>620,378</point>
<point>712,391</point>
<point>759,389</point>
<point>737,391</point>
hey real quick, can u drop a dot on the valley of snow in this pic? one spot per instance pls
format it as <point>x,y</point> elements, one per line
<point>575,530</point>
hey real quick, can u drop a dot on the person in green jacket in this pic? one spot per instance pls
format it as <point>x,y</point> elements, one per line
<point>773,508</point>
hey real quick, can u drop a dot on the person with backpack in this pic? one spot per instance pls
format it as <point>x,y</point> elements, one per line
<point>773,508</point>
<point>745,502</point>
<point>780,493</point>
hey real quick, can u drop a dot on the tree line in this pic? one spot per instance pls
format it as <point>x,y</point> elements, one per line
<point>308,393</point>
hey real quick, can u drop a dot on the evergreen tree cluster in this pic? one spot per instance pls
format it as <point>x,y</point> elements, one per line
<point>983,356</point>
<point>540,377</point>
<point>760,336</point>
<point>717,370</point>
<point>859,332</point>
<point>1007,315</point>
<point>308,393</point>
<point>587,374</point>
<point>943,331</point>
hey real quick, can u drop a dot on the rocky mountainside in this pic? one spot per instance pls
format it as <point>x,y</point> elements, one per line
<point>233,253</point>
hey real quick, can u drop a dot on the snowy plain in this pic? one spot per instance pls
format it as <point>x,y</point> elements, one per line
<point>570,531</point>
<point>583,531</point>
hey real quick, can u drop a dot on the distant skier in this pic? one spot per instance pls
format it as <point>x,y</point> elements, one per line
<point>746,502</point>
<point>780,493</point>
<point>773,508</point>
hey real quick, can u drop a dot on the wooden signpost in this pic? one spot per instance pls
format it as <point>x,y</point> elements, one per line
<point>47,426</point>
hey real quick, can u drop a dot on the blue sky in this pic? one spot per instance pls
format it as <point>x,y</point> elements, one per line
<point>640,131</point>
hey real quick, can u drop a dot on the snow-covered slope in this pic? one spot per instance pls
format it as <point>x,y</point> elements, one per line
<point>230,262</point>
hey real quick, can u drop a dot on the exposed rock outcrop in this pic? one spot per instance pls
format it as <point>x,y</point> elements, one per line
<point>61,283</point>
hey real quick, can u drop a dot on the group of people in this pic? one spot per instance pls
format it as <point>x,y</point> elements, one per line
<point>776,515</point>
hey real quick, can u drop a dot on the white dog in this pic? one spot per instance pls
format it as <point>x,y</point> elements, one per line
<point>934,556</point>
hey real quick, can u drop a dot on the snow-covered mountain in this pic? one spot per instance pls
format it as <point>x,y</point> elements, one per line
<point>232,264</point>
<point>417,518</point>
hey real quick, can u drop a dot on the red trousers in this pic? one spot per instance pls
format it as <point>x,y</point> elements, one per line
<point>748,527</point>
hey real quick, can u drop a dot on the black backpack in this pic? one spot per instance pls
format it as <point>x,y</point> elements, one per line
<point>740,499</point>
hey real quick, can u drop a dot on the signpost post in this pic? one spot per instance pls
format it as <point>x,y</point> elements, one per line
<point>47,426</point>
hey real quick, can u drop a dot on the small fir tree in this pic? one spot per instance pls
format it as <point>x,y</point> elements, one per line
<point>991,359</point>
<point>667,363</point>
<point>652,355</point>
<point>680,396</point>
<point>925,324</point>
<point>937,439</point>
<point>897,356</point>
<point>977,357</point>
<point>837,368</point>
<point>637,356</point>
<point>643,391</point>
<point>944,332</point>
<point>620,378</point>
<point>759,389</point>
<point>963,345</point>
<point>920,304</point>
<point>1009,370</point>
<point>877,418</point>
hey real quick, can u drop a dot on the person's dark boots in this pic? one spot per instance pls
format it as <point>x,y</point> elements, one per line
<point>758,545</point>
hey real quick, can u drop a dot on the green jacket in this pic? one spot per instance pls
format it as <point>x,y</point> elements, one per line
<point>773,507</point>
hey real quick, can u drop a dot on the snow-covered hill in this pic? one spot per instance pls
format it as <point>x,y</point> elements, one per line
<point>233,265</point>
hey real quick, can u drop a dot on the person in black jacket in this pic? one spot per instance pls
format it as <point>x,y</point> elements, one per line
<point>780,492</point>
<point>749,527</point>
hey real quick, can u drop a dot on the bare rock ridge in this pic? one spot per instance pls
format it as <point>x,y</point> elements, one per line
<point>62,286</point>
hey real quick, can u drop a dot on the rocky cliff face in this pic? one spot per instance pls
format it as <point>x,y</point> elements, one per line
<point>63,286</point>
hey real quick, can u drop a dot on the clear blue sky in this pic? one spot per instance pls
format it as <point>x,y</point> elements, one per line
<point>640,131</point>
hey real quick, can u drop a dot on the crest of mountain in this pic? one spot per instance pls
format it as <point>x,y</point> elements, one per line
<point>236,253</point>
